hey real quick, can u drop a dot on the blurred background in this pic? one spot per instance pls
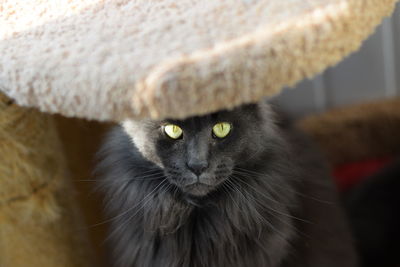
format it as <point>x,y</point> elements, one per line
<point>360,141</point>
<point>371,73</point>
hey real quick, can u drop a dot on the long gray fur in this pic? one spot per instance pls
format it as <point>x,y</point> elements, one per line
<point>269,200</point>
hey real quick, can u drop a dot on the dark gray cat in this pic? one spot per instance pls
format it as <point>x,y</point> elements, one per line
<point>228,189</point>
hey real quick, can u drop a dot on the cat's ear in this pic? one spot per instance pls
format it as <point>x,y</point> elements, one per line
<point>250,108</point>
<point>265,107</point>
<point>261,111</point>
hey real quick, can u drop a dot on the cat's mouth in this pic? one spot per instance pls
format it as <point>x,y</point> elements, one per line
<point>198,189</point>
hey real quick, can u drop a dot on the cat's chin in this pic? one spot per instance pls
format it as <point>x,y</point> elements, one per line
<point>198,189</point>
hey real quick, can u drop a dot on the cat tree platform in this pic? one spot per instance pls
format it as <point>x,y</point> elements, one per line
<point>112,60</point>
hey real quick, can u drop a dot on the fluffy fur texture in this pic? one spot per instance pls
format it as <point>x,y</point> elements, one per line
<point>265,199</point>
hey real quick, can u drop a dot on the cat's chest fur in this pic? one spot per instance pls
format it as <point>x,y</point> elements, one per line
<point>230,228</point>
<point>207,236</point>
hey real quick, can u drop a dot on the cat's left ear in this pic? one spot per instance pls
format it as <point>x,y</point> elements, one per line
<point>256,110</point>
<point>250,109</point>
<point>262,111</point>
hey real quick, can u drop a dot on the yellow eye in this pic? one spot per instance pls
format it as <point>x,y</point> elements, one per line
<point>222,129</point>
<point>173,131</point>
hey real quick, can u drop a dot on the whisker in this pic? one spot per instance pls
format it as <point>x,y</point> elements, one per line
<point>276,211</point>
<point>257,176</point>
<point>175,191</point>
<point>255,189</point>
<point>147,171</point>
<point>227,191</point>
<point>134,178</point>
<point>280,234</point>
<point>232,186</point>
<point>269,185</point>
<point>131,208</point>
<point>282,166</point>
<point>129,179</point>
<point>139,209</point>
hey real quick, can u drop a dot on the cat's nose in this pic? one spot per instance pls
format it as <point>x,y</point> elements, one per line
<point>197,167</point>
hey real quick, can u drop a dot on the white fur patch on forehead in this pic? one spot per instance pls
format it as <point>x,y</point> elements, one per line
<point>139,133</point>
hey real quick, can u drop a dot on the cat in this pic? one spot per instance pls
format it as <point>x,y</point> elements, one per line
<point>235,188</point>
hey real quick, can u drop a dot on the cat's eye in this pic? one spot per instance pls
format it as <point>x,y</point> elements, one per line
<point>222,129</point>
<point>173,131</point>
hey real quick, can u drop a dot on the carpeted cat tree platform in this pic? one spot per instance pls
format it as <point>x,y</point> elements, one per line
<point>112,60</point>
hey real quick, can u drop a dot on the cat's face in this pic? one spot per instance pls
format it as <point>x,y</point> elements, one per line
<point>200,153</point>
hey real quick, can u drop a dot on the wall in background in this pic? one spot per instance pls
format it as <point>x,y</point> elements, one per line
<point>371,73</point>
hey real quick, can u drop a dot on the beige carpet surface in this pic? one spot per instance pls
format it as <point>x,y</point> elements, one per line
<point>114,59</point>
